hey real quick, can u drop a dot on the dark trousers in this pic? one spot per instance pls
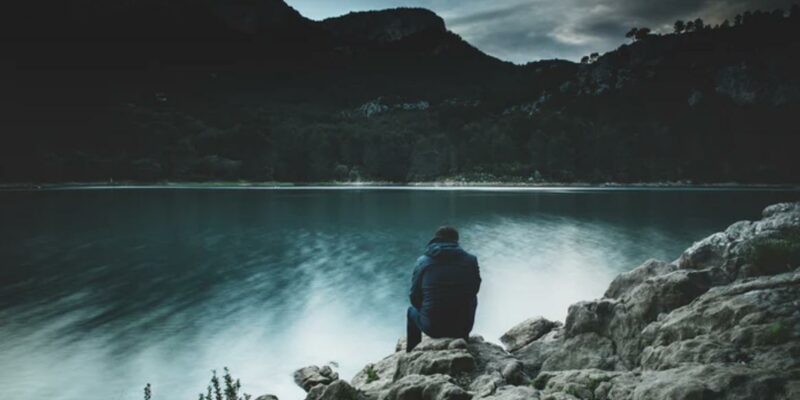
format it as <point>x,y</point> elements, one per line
<point>413,329</point>
<point>415,326</point>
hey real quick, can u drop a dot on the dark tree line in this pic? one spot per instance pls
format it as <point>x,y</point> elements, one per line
<point>669,119</point>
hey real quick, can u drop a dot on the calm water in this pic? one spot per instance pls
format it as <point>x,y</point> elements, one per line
<point>102,291</point>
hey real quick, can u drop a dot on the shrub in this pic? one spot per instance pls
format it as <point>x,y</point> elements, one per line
<point>215,391</point>
<point>775,255</point>
<point>372,375</point>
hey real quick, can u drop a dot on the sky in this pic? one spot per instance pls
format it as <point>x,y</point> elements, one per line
<point>528,30</point>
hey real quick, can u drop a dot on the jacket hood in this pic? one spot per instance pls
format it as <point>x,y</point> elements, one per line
<point>438,248</point>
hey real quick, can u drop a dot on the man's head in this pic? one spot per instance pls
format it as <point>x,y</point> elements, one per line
<point>447,233</point>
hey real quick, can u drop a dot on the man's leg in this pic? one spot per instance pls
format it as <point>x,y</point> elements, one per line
<point>413,333</point>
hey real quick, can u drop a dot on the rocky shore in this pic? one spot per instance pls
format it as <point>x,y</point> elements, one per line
<point>720,322</point>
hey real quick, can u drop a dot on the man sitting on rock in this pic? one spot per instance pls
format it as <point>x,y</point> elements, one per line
<point>444,290</point>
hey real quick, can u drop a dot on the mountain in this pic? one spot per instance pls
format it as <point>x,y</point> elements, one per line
<point>250,89</point>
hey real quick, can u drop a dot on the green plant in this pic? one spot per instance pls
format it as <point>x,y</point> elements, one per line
<point>215,391</point>
<point>778,332</point>
<point>372,375</point>
<point>775,255</point>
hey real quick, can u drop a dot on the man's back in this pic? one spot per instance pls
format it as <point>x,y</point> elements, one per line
<point>444,289</point>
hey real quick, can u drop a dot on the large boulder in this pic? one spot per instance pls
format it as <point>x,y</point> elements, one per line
<point>526,332</point>
<point>378,376</point>
<point>425,387</point>
<point>336,390</point>
<point>626,281</point>
<point>710,381</point>
<point>477,367</point>
<point>534,354</point>
<point>450,362</point>
<point>308,377</point>
<point>588,350</point>
<point>755,321</point>
<point>733,249</point>
<point>581,383</point>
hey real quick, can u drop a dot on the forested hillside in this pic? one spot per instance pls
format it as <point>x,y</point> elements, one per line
<point>216,90</point>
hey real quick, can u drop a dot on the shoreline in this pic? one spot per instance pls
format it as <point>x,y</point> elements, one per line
<point>377,185</point>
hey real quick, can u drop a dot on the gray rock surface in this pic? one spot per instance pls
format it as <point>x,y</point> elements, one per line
<point>526,332</point>
<point>309,377</point>
<point>717,323</point>
<point>336,390</point>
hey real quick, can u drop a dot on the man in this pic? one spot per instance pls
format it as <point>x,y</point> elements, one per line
<point>444,290</point>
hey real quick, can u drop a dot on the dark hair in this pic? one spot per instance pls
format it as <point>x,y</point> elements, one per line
<point>447,233</point>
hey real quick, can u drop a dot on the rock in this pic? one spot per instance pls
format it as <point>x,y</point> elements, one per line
<point>420,387</point>
<point>535,353</point>
<point>715,381</point>
<point>588,350</point>
<point>476,339</point>
<point>701,349</point>
<point>643,304</point>
<point>429,344</point>
<point>336,390</point>
<point>756,321</point>
<point>526,332</point>
<point>514,373</point>
<point>732,249</point>
<point>626,281</point>
<point>582,383</point>
<point>311,376</point>
<point>781,208</point>
<point>376,377</point>
<point>489,356</point>
<point>514,393</point>
<point>486,384</point>
<point>589,317</point>
<point>450,362</point>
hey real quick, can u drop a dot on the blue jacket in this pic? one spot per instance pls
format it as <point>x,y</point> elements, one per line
<point>444,289</point>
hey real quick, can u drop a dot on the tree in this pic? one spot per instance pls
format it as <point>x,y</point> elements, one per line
<point>590,58</point>
<point>690,26</point>
<point>794,12</point>
<point>632,33</point>
<point>725,24</point>
<point>747,18</point>
<point>642,33</point>
<point>737,20</point>
<point>699,25</point>
<point>679,26</point>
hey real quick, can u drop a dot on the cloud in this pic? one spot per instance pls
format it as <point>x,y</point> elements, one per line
<point>537,29</point>
<point>528,30</point>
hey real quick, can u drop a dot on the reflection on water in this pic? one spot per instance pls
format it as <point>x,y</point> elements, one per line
<point>103,291</point>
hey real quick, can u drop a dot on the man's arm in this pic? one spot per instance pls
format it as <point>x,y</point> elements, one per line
<point>415,294</point>
<point>477,276</point>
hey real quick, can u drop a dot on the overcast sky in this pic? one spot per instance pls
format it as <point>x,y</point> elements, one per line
<point>528,30</point>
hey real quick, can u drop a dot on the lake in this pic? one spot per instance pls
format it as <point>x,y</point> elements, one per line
<point>102,291</point>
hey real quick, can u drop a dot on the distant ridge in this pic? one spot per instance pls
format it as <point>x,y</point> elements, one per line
<point>184,90</point>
